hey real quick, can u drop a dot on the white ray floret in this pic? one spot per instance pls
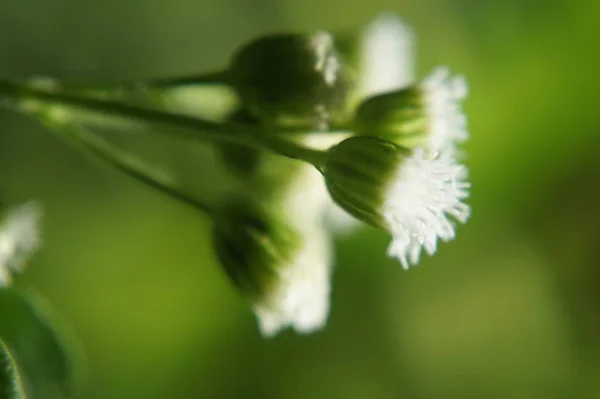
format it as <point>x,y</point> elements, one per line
<point>443,98</point>
<point>20,237</point>
<point>423,199</point>
<point>300,298</point>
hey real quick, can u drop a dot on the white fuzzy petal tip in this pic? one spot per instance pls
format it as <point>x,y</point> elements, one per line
<point>423,200</point>
<point>443,97</point>
<point>387,56</point>
<point>300,299</point>
<point>20,237</point>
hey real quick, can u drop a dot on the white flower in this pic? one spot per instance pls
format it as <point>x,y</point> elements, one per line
<point>300,297</point>
<point>19,237</point>
<point>422,200</point>
<point>446,122</point>
<point>386,56</point>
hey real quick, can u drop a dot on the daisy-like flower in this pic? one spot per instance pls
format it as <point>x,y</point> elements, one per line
<point>427,115</point>
<point>283,270</point>
<point>20,237</point>
<point>415,195</point>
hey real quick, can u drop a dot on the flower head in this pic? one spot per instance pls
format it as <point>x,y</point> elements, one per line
<point>20,237</point>
<point>423,199</point>
<point>284,272</point>
<point>415,195</point>
<point>426,115</point>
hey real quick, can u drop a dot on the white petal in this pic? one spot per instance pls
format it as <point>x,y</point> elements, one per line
<point>387,55</point>
<point>422,201</point>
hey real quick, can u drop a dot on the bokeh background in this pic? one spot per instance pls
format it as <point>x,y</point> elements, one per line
<point>510,309</point>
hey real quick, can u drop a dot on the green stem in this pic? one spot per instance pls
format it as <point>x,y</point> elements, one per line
<point>122,161</point>
<point>191,128</point>
<point>212,78</point>
<point>219,77</point>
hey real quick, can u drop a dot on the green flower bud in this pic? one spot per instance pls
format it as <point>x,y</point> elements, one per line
<point>414,195</point>
<point>292,80</point>
<point>426,115</point>
<point>284,273</point>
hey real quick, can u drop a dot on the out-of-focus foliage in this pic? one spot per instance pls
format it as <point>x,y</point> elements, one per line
<point>510,309</point>
<point>10,381</point>
<point>44,349</point>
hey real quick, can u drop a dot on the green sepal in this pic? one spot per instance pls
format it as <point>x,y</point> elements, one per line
<point>358,172</point>
<point>399,116</point>
<point>253,244</point>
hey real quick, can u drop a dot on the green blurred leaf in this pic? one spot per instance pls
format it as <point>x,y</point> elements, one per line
<point>39,343</point>
<point>10,381</point>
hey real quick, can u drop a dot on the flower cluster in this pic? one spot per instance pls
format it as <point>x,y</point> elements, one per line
<point>395,164</point>
<point>322,134</point>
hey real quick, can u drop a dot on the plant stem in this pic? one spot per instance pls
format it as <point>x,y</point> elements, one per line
<point>218,77</point>
<point>123,161</point>
<point>212,78</point>
<point>191,128</point>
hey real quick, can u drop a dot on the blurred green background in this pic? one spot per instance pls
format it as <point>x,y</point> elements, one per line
<point>511,309</point>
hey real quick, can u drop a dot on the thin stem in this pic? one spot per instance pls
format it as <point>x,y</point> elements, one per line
<point>218,77</point>
<point>123,161</point>
<point>192,128</point>
<point>212,78</point>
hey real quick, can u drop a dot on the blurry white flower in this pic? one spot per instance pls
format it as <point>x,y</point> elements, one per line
<point>20,237</point>
<point>386,56</point>
<point>300,298</point>
<point>282,268</point>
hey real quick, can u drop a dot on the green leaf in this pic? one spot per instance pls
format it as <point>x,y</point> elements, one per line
<point>41,344</point>
<point>10,381</point>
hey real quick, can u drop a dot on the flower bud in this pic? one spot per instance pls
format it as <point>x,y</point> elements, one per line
<point>283,273</point>
<point>426,115</point>
<point>292,80</point>
<point>414,195</point>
